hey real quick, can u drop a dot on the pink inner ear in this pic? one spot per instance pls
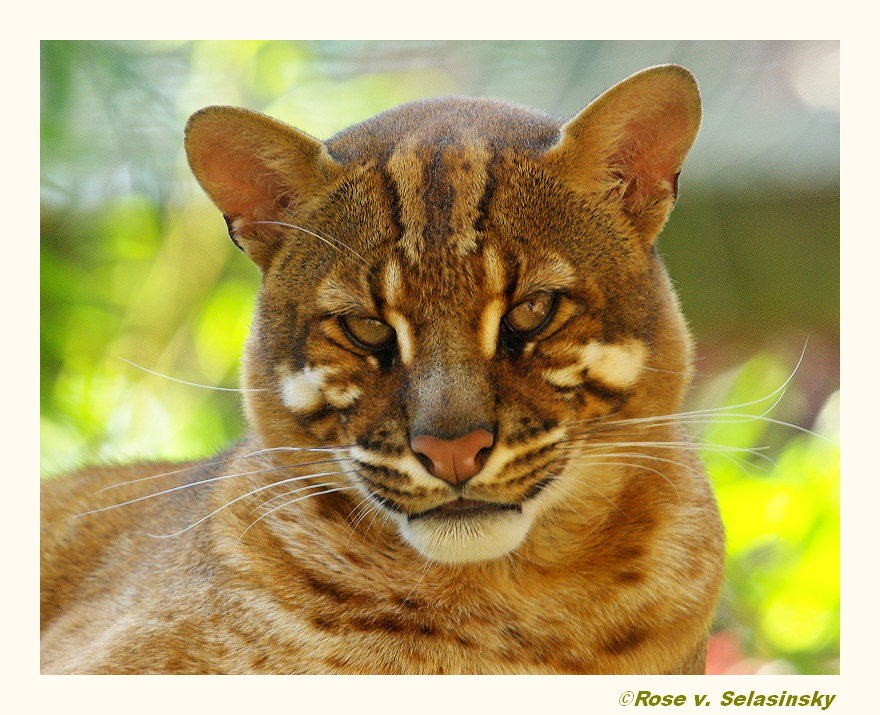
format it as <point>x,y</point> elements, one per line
<point>649,155</point>
<point>238,188</point>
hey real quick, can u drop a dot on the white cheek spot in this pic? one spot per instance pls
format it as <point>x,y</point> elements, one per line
<point>301,391</point>
<point>490,322</point>
<point>616,365</point>
<point>404,335</point>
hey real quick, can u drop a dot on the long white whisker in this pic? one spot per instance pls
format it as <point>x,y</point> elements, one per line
<point>604,496</point>
<point>372,508</point>
<point>288,503</point>
<point>244,496</point>
<point>428,564</point>
<point>588,446</point>
<point>329,240</point>
<point>208,481</point>
<point>377,512</point>
<point>715,411</point>
<point>194,384</point>
<point>199,465</point>
<point>587,459</point>
<point>702,417</point>
<point>268,501</point>
<point>640,466</point>
<point>708,446</point>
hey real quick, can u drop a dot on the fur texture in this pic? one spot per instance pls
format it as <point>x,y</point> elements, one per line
<point>587,541</point>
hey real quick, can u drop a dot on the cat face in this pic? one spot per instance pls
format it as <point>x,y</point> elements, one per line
<point>453,289</point>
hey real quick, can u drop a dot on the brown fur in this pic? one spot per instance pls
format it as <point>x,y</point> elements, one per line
<point>422,217</point>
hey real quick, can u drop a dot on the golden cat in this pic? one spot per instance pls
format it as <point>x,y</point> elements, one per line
<point>462,380</point>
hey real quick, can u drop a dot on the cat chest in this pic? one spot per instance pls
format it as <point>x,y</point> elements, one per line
<point>334,631</point>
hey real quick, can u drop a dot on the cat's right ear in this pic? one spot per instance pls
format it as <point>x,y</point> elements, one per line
<point>257,171</point>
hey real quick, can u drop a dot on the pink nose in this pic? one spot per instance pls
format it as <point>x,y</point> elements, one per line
<point>453,461</point>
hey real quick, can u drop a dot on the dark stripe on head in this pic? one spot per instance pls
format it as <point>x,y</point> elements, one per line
<point>438,197</point>
<point>488,193</point>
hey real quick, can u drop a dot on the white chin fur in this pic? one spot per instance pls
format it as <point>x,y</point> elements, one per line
<point>463,540</point>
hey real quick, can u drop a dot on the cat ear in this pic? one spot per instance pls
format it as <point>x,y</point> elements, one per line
<point>257,170</point>
<point>632,140</point>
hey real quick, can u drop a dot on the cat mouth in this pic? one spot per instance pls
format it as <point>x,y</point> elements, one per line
<point>465,508</point>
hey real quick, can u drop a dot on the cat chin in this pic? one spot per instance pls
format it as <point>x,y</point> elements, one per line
<point>466,539</point>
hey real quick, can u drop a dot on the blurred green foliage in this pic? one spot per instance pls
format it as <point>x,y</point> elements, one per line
<point>780,506</point>
<point>136,268</point>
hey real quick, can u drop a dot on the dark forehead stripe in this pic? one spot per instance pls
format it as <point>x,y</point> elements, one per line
<point>438,196</point>
<point>488,191</point>
<point>435,158</point>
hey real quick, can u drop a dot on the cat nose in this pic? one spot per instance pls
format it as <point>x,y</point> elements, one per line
<point>454,461</point>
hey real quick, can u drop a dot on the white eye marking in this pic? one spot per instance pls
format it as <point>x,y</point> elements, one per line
<point>490,322</point>
<point>301,391</point>
<point>616,365</point>
<point>404,335</point>
<point>392,283</point>
<point>494,267</point>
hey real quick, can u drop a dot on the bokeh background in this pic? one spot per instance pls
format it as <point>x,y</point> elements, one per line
<point>136,266</point>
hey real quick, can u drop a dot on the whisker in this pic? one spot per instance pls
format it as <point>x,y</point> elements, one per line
<point>590,486</point>
<point>718,412</point>
<point>194,384</point>
<point>264,504</point>
<point>588,459</point>
<point>208,481</point>
<point>701,417</point>
<point>288,503</point>
<point>641,466</point>
<point>605,497</point>
<point>428,564</point>
<point>373,508</point>
<point>704,447</point>
<point>329,240</point>
<point>516,554</point>
<point>244,496</point>
<point>580,440</point>
<point>200,465</point>
<point>377,512</point>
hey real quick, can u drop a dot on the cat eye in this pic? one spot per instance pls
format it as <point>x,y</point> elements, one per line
<point>367,333</point>
<point>531,315</point>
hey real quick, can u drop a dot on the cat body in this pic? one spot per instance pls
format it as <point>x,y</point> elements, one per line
<point>462,380</point>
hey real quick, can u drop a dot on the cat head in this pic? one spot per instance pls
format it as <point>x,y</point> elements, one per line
<point>452,287</point>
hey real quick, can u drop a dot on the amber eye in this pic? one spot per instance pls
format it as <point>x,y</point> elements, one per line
<point>367,333</point>
<point>532,314</point>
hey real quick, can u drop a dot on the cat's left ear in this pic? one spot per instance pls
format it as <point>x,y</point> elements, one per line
<point>632,141</point>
